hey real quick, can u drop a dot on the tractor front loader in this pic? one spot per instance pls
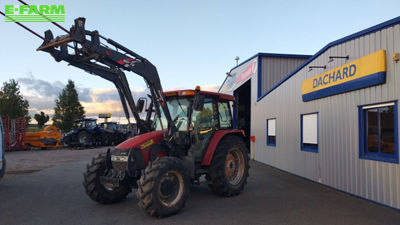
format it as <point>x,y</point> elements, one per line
<point>192,136</point>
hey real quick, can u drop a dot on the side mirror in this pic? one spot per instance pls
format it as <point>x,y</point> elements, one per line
<point>140,104</point>
<point>198,102</point>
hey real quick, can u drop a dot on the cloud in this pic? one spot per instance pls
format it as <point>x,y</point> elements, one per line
<point>107,100</point>
<point>102,95</point>
<point>175,89</point>
<point>42,94</point>
<point>210,87</point>
<point>84,94</point>
<point>106,94</point>
<point>46,88</point>
<point>110,106</point>
<point>33,111</point>
<point>41,87</point>
<point>37,102</point>
<point>40,102</point>
<point>206,87</point>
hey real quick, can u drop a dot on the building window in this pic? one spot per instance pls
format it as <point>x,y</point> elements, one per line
<point>309,132</point>
<point>378,132</point>
<point>271,132</point>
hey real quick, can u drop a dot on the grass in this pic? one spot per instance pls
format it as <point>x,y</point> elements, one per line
<point>33,128</point>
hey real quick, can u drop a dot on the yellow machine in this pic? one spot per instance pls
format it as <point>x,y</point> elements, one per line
<point>48,138</point>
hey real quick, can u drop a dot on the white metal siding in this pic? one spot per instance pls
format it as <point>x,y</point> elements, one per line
<point>274,69</point>
<point>337,163</point>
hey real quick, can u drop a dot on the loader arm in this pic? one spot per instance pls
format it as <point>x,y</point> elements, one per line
<point>89,54</point>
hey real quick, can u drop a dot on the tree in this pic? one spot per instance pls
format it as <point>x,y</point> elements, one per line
<point>41,119</point>
<point>68,108</point>
<point>12,103</point>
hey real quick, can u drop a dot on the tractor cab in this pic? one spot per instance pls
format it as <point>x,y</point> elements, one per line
<point>197,115</point>
<point>85,123</point>
<point>109,126</point>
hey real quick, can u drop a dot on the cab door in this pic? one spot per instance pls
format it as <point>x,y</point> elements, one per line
<point>204,123</point>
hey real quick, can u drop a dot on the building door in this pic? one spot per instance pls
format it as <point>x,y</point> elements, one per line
<point>242,109</point>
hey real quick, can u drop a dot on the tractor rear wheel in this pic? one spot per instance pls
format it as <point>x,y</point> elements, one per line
<point>85,139</point>
<point>107,139</point>
<point>229,167</point>
<point>163,188</point>
<point>96,190</point>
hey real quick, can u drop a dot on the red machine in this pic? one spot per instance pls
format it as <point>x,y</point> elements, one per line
<point>192,137</point>
<point>14,133</point>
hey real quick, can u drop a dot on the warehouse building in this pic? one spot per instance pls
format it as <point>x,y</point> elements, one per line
<point>332,117</point>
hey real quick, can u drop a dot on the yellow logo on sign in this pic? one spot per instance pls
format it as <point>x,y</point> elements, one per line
<point>361,68</point>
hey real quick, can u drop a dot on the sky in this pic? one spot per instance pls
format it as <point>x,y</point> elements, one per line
<point>190,42</point>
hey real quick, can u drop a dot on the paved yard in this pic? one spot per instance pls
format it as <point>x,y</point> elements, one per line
<point>44,187</point>
<point>19,162</point>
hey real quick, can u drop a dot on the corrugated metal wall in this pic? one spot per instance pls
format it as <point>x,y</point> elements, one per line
<point>274,69</point>
<point>337,163</point>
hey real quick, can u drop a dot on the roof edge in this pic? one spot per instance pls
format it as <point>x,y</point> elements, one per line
<point>369,30</point>
<point>266,54</point>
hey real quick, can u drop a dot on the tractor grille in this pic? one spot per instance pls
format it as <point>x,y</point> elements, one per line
<point>121,166</point>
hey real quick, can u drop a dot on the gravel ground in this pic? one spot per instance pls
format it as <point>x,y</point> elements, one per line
<point>45,187</point>
<point>19,162</point>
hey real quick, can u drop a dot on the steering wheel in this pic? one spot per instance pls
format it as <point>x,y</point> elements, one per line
<point>175,119</point>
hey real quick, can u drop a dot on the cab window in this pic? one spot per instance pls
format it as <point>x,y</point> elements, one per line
<point>225,119</point>
<point>204,119</point>
<point>178,108</point>
<point>90,124</point>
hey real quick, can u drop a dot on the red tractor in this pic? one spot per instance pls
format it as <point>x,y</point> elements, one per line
<point>192,136</point>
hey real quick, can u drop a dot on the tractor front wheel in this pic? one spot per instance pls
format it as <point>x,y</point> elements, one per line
<point>163,188</point>
<point>96,190</point>
<point>229,167</point>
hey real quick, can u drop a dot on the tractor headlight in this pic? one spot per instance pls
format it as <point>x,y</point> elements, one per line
<point>119,158</point>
